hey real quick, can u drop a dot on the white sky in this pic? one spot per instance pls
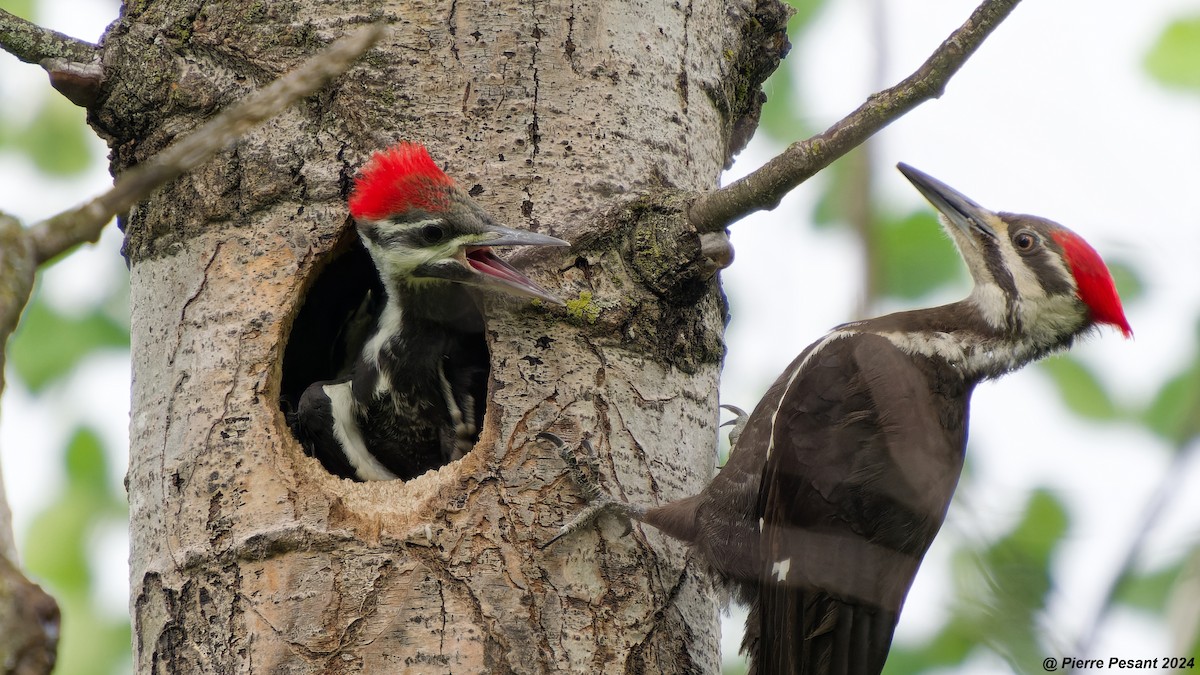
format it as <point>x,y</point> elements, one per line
<point>1052,117</point>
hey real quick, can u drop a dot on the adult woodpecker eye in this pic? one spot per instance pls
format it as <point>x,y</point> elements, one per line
<point>1024,241</point>
<point>432,234</point>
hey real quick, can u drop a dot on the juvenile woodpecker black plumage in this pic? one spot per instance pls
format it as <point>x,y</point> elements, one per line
<point>842,474</point>
<point>416,394</point>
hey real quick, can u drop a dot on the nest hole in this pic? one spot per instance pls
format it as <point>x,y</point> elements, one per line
<point>340,312</point>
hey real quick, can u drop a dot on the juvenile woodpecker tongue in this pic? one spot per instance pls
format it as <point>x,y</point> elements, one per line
<point>484,261</point>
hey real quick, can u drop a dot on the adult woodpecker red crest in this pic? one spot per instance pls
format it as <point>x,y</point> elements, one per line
<point>416,395</point>
<point>1095,283</point>
<point>841,476</point>
<point>1041,253</point>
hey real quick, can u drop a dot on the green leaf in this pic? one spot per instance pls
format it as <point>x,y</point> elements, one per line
<point>21,8</point>
<point>56,549</point>
<point>913,257</point>
<point>1174,60</point>
<point>831,206</point>
<point>56,138</point>
<point>950,647</point>
<point>1129,283</point>
<point>97,645</point>
<point>1079,388</point>
<point>806,11</point>
<point>57,552</point>
<point>1019,565</point>
<point>1038,534</point>
<point>87,468</point>
<point>1001,588</point>
<point>48,345</point>
<point>781,119</point>
<point>1175,412</point>
<point>1148,591</point>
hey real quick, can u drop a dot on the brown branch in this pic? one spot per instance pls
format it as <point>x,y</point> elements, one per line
<point>73,65</point>
<point>66,230</point>
<point>31,43</point>
<point>16,281</point>
<point>764,188</point>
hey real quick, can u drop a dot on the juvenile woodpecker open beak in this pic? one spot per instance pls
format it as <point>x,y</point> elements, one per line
<point>967,215</point>
<point>493,272</point>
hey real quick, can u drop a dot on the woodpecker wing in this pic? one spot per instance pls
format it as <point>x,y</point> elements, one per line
<point>864,455</point>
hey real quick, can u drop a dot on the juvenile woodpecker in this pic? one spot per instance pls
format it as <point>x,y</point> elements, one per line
<point>841,476</point>
<point>416,394</point>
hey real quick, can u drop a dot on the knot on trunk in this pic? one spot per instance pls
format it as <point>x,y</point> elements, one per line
<point>670,256</point>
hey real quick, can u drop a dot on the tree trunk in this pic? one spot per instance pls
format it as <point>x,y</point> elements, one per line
<point>591,120</point>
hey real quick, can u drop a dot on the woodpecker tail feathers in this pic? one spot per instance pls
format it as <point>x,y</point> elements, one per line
<point>806,632</point>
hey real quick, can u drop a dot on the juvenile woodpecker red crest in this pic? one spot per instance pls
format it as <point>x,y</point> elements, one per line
<point>416,396</point>
<point>841,476</point>
<point>398,180</point>
<point>420,226</point>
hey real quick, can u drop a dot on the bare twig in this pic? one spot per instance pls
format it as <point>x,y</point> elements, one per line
<point>764,188</point>
<point>31,43</point>
<point>66,230</point>
<point>16,282</point>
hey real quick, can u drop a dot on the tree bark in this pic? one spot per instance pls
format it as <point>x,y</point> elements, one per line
<point>594,121</point>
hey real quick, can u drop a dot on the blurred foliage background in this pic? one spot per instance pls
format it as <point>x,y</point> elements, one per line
<point>1000,585</point>
<point>84,509</point>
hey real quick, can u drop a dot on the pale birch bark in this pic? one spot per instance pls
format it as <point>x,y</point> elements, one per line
<point>584,119</point>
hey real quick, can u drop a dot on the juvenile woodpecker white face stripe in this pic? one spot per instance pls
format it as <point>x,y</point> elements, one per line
<point>419,384</point>
<point>421,228</point>
<point>399,248</point>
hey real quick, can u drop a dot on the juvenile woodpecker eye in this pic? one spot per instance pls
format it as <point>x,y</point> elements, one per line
<point>1024,241</point>
<point>432,234</point>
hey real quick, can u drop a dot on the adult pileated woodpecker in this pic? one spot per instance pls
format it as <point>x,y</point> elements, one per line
<point>842,475</point>
<point>416,394</point>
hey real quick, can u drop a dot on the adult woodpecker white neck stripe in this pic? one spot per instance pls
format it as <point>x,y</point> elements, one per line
<point>843,473</point>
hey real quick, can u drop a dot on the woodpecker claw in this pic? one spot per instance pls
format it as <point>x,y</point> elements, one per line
<point>598,501</point>
<point>738,423</point>
<point>741,415</point>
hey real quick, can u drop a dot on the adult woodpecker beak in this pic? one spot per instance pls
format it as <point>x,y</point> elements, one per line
<point>963,212</point>
<point>493,273</point>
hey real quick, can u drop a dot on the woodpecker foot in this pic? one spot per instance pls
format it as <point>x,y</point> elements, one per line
<point>738,423</point>
<point>598,501</point>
